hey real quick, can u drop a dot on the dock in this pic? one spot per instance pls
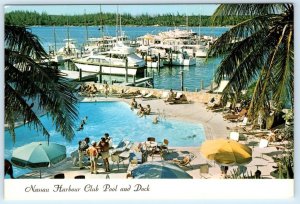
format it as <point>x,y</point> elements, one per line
<point>74,75</point>
<point>139,81</point>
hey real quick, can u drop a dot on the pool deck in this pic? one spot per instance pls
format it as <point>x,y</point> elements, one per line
<point>215,127</point>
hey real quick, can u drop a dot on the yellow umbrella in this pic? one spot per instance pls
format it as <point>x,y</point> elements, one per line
<point>226,152</point>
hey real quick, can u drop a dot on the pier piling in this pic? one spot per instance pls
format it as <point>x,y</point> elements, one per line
<point>201,85</point>
<point>158,62</point>
<point>181,74</point>
<point>80,74</point>
<point>100,74</point>
<point>126,70</point>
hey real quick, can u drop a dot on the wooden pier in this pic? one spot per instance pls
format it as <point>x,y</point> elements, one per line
<point>139,81</point>
<point>75,75</point>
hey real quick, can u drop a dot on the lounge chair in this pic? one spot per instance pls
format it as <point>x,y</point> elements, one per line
<point>156,151</point>
<point>221,86</point>
<point>121,147</point>
<point>204,171</point>
<point>214,102</point>
<point>178,95</point>
<point>115,158</point>
<point>263,143</point>
<point>234,136</point>
<point>235,116</point>
<point>149,96</point>
<point>125,94</point>
<point>186,161</point>
<point>143,93</point>
<point>164,95</point>
<point>164,145</point>
<point>181,100</point>
<point>227,107</point>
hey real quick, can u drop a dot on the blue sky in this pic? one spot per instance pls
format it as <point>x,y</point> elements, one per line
<point>189,9</point>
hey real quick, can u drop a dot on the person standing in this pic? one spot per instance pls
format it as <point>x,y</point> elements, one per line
<point>108,140</point>
<point>82,147</point>
<point>106,89</point>
<point>104,148</point>
<point>93,153</point>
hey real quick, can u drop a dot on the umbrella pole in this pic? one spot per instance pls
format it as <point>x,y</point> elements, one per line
<point>40,173</point>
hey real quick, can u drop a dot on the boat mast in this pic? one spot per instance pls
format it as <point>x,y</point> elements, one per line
<point>54,36</point>
<point>200,27</point>
<point>187,22</point>
<point>68,36</point>
<point>101,24</point>
<point>117,21</point>
<point>120,27</point>
<point>86,27</point>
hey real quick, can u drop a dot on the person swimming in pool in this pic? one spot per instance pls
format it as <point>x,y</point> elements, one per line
<point>155,120</point>
<point>191,136</point>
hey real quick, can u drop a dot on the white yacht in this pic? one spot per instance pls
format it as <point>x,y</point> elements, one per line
<point>70,48</point>
<point>113,62</point>
<point>179,58</point>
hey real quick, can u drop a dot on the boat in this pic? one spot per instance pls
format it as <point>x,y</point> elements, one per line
<point>113,62</point>
<point>69,48</point>
<point>179,58</point>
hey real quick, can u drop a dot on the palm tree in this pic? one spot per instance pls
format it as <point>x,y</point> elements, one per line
<point>32,86</point>
<point>259,50</point>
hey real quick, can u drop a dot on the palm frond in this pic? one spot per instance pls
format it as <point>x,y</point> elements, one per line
<point>29,80</point>
<point>225,10</point>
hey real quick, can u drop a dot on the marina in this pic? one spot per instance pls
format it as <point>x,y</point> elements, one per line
<point>198,72</point>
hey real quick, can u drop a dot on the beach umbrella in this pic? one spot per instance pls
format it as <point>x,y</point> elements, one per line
<point>226,152</point>
<point>161,170</point>
<point>38,155</point>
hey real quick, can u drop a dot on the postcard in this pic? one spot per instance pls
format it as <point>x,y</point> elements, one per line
<point>158,101</point>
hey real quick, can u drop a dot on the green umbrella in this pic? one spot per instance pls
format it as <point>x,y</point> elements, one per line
<point>38,155</point>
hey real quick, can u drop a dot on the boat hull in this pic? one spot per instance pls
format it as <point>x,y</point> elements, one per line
<point>111,70</point>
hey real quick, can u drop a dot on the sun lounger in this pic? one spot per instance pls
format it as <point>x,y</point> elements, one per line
<point>245,121</point>
<point>149,96</point>
<point>115,158</point>
<point>263,144</point>
<point>234,136</point>
<point>180,99</point>
<point>204,171</point>
<point>178,94</point>
<point>221,86</point>
<point>186,161</point>
<point>164,145</point>
<point>235,116</point>
<point>143,93</point>
<point>165,95</point>
<point>121,147</point>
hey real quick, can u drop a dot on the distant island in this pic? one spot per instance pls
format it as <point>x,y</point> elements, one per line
<point>26,18</point>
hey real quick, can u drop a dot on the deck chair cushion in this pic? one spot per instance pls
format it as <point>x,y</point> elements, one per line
<point>263,143</point>
<point>234,136</point>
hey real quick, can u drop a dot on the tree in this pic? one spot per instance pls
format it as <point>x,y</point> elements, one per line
<point>260,50</point>
<point>32,86</point>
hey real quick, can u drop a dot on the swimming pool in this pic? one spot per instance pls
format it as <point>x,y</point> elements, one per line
<point>119,121</point>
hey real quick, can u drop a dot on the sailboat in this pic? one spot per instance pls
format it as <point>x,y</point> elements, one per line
<point>202,50</point>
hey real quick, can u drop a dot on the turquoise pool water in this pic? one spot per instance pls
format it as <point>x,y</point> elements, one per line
<point>119,121</point>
